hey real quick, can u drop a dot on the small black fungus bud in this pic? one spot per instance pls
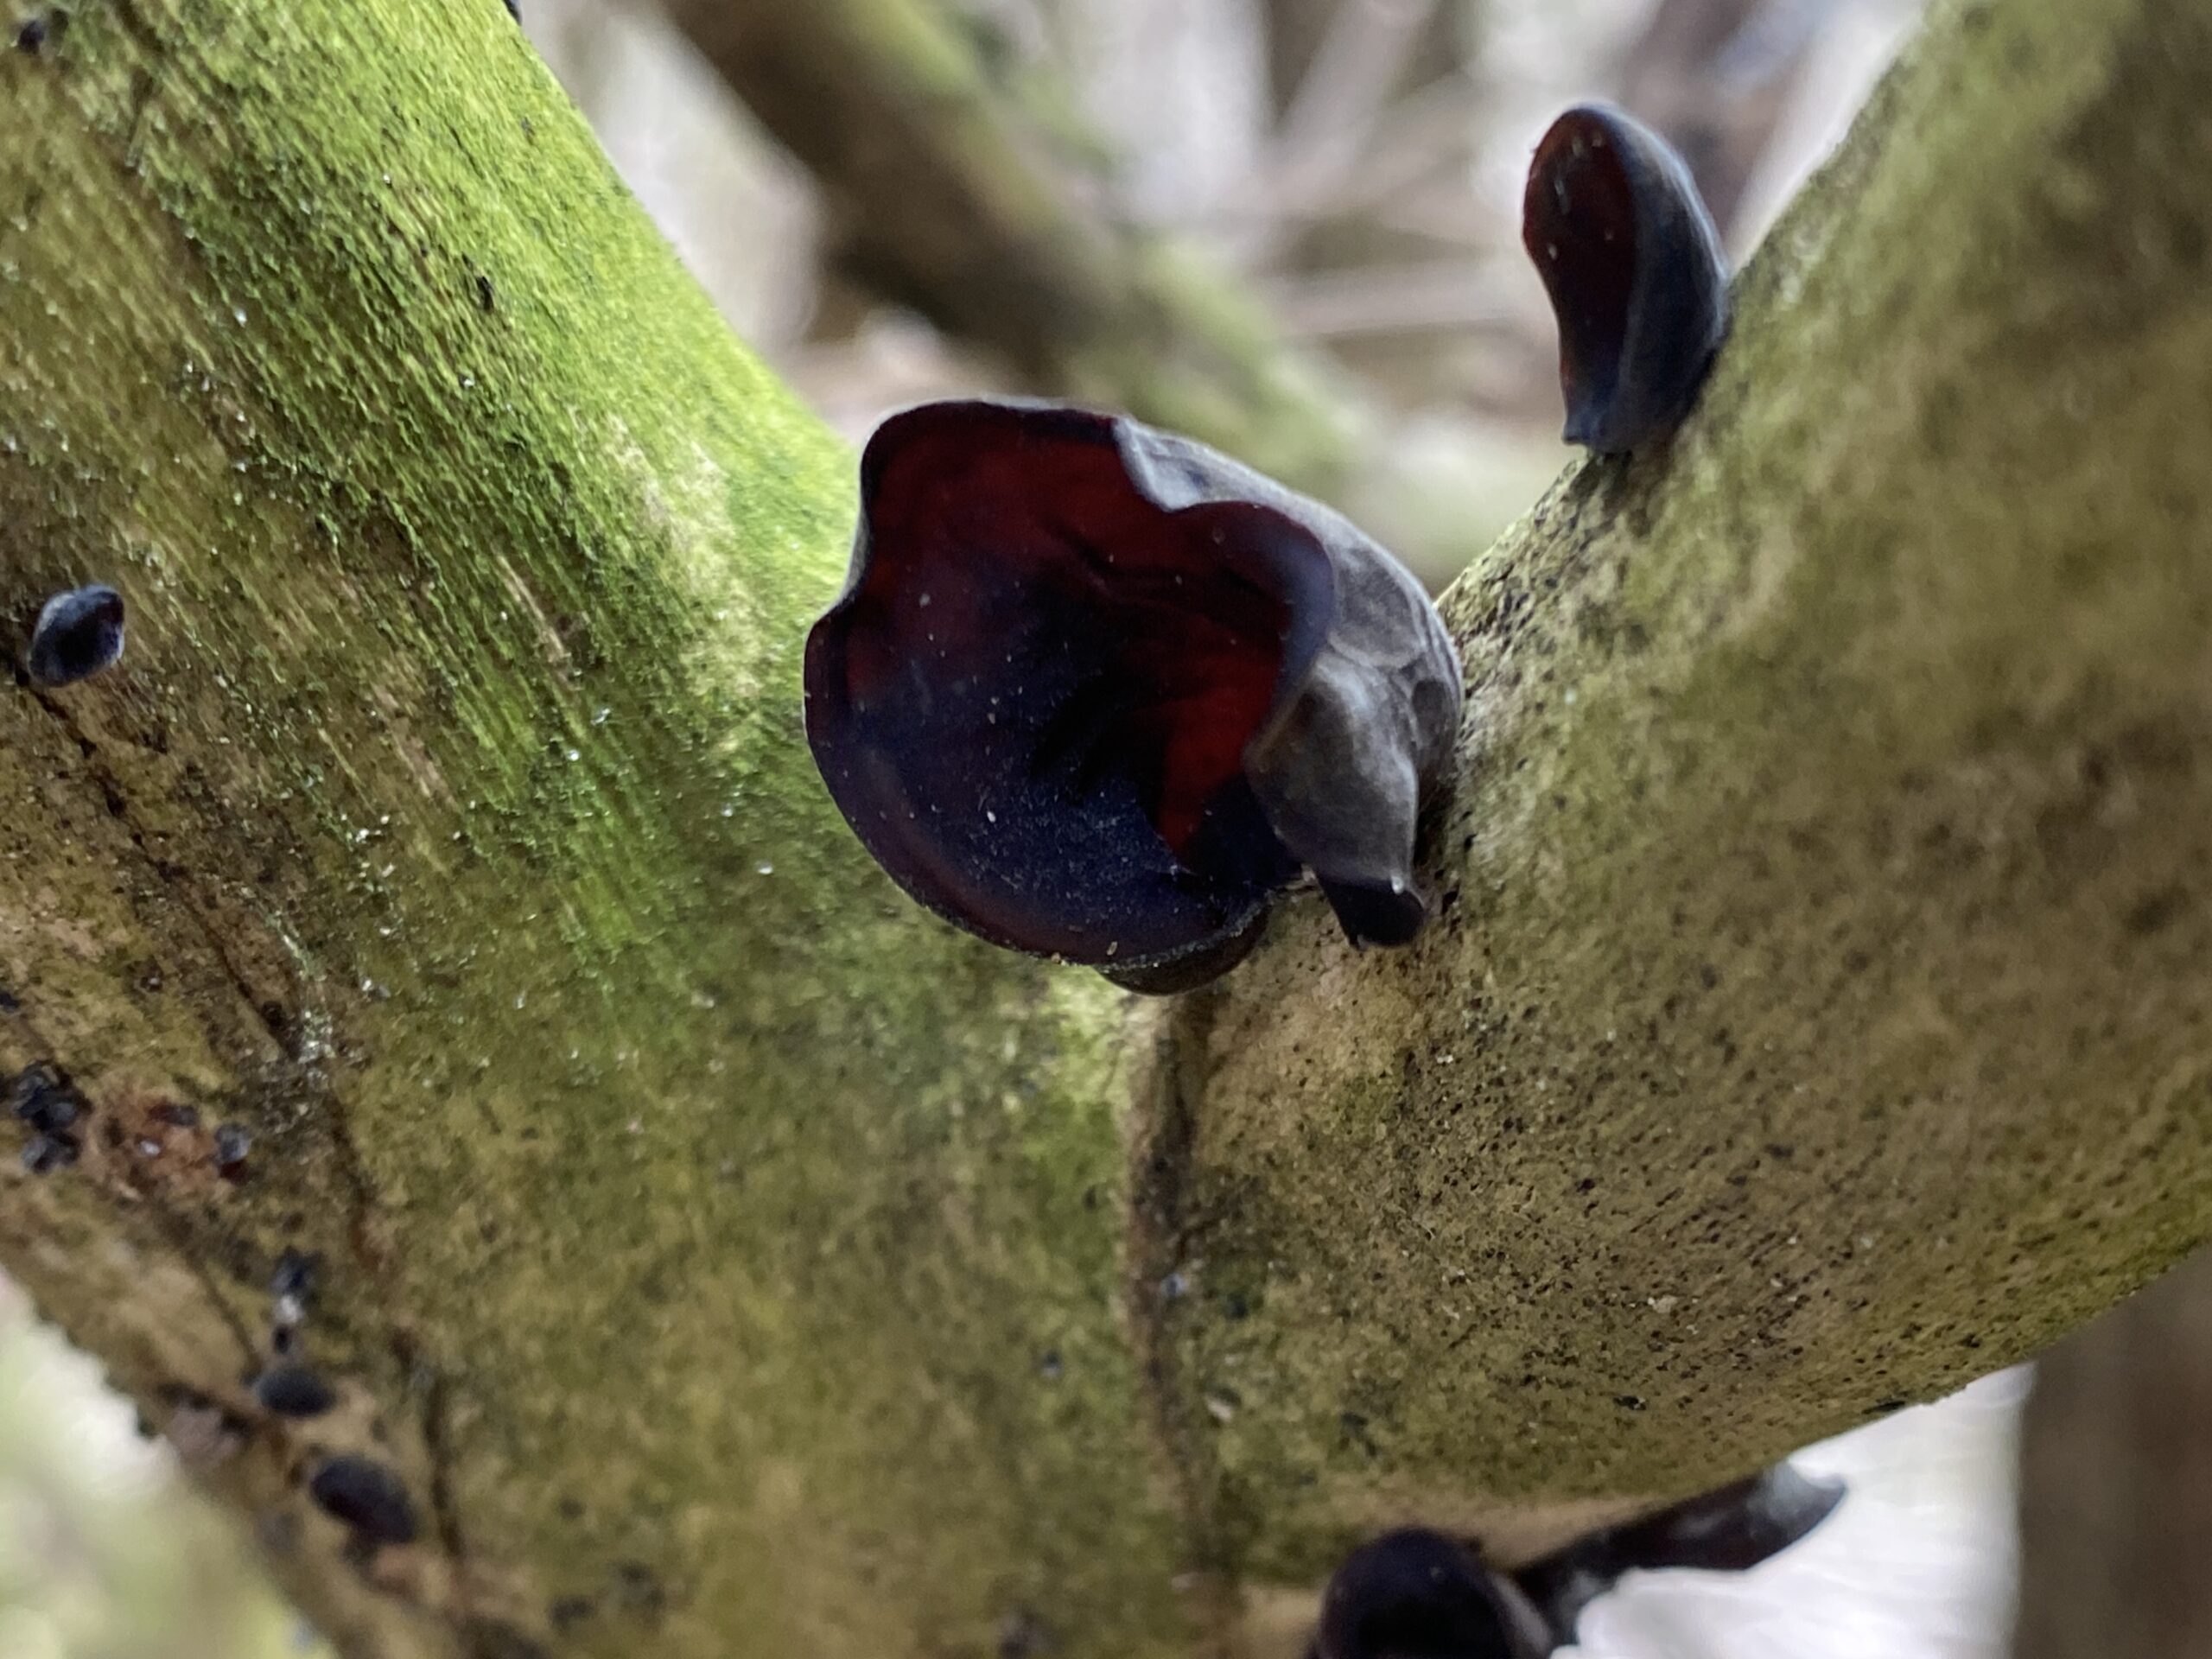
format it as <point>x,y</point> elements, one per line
<point>232,1145</point>
<point>514,9</point>
<point>44,1153</point>
<point>1635,270</point>
<point>294,1390</point>
<point>296,1275</point>
<point>31,36</point>
<point>1098,692</point>
<point>42,1099</point>
<point>366,1496</point>
<point>78,634</point>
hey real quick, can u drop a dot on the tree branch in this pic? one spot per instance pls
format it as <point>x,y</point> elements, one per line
<point>721,1254</point>
<point>1818,1014</point>
<point>2113,1503</point>
<point>940,202</point>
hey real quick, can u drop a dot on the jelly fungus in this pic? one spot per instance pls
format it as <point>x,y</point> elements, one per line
<point>1419,1595</point>
<point>77,634</point>
<point>1097,692</point>
<point>1637,276</point>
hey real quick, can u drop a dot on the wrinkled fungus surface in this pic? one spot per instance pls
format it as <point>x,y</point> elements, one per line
<point>1097,692</point>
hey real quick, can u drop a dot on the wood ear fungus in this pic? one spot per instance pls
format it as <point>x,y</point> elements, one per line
<point>1097,692</point>
<point>1418,1594</point>
<point>1635,270</point>
<point>77,634</point>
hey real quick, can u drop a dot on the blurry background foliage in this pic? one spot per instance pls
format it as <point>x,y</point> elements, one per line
<point>1354,167</point>
<point>106,1553</point>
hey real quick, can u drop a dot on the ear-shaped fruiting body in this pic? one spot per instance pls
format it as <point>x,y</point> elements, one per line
<point>1097,692</point>
<point>1418,1594</point>
<point>1634,270</point>
<point>1731,1530</point>
<point>77,634</point>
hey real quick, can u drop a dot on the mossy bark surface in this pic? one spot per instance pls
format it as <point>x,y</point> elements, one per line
<point>1818,1014</point>
<point>730,1260</point>
<point>723,1253</point>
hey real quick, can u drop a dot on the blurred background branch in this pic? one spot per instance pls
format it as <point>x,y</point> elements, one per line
<point>2116,1484</point>
<point>945,193</point>
<point>1286,225</point>
<point>1715,76</point>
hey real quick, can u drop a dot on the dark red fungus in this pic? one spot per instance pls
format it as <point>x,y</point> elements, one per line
<point>1097,692</point>
<point>1637,279</point>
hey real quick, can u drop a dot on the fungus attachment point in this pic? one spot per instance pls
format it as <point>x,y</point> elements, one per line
<point>1097,692</point>
<point>1635,270</point>
<point>77,634</point>
<point>1418,1594</point>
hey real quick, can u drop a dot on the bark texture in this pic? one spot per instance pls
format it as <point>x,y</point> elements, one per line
<point>2116,1484</point>
<point>724,1255</point>
<point>1816,1019</point>
<point>730,1260</point>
